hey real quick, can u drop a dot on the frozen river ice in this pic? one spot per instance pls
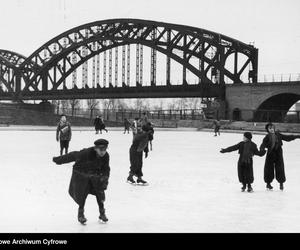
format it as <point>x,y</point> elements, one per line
<point>193,187</point>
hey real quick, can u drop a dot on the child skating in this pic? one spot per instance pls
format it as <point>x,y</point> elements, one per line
<point>127,125</point>
<point>247,149</point>
<point>63,134</point>
<point>89,176</point>
<point>139,145</point>
<point>274,159</point>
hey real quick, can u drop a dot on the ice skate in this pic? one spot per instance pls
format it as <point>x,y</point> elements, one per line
<point>141,182</point>
<point>249,189</point>
<point>281,186</point>
<point>81,217</point>
<point>269,187</point>
<point>131,180</point>
<point>103,217</point>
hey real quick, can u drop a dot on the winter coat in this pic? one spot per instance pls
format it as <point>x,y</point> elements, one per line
<point>274,158</point>
<point>63,131</point>
<point>88,167</point>
<point>99,124</point>
<point>127,124</point>
<point>246,151</point>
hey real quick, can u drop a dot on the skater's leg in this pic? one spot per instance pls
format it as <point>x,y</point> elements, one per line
<point>67,146</point>
<point>269,171</point>
<point>133,165</point>
<point>279,170</point>
<point>100,200</point>
<point>80,216</point>
<point>243,187</point>
<point>139,172</point>
<point>249,188</point>
<point>61,147</point>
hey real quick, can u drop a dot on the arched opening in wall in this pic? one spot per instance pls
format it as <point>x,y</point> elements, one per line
<point>236,114</point>
<point>278,109</point>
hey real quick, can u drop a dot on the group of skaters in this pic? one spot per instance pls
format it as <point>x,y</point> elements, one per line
<point>91,170</point>
<point>274,164</point>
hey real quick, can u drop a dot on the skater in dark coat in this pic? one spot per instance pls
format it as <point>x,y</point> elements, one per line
<point>139,145</point>
<point>274,158</point>
<point>90,176</point>
<point>99,125</point>
<point>247,149</point>
<point>127,125</point>
<point>63,134</point>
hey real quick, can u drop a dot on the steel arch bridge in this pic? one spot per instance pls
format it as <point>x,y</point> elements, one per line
<point>43,74</point>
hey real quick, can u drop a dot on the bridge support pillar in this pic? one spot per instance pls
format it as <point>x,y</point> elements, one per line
<point>44,83</point>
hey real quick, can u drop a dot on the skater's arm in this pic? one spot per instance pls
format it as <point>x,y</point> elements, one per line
<point>70,157</point>
<point>106,168</point>
<point>264,144</point>
<point>289,137</point>
<point>260,152</point>
<point>231,148</point>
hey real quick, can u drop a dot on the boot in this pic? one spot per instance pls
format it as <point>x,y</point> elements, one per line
<point>141,181</point>
<point>130,179</point>
<point>269,186</point>
<point>243,187</point>
<point>81,217</point>
<point>281,186</point>
<point>102,216</point>
<point>250,189</point>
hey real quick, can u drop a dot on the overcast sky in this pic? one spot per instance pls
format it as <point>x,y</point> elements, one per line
<point>273,25</point>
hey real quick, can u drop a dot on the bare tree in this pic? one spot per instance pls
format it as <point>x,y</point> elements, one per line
<point>74,103</point>
<point>92,104</point>
<point>56,103</point>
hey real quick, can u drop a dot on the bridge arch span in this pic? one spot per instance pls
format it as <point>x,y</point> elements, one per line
<point>167,38</point>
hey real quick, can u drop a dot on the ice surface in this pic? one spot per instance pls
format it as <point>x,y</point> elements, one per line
<point>193,187</point>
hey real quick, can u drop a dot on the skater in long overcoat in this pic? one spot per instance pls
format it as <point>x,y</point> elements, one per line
<point>127,125</point>
<point>138,146</point>
<point>274,158</point>
<point>99,124</point>
<point>247,149</point>
<point>89,176</point>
